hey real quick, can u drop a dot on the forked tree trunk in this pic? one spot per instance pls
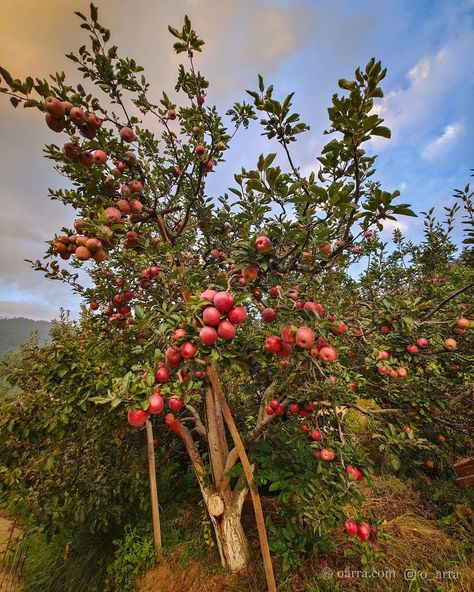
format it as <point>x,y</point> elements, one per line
<point>223,503</point>
<point>230,537</point>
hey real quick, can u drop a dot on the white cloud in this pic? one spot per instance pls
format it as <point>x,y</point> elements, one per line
<point>411,109</point>
<point>437,146</point>
<point>390,225</point>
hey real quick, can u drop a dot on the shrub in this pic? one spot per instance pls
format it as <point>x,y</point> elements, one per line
<point>135,553</point>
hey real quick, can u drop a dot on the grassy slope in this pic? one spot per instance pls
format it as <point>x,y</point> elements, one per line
<point>409,538</point>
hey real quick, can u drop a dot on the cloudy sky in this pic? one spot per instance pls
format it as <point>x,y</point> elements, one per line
<point>300,45</point>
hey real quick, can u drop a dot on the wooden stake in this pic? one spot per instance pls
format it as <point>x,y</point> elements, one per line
<point>257,506</point>
<point>153,490</point>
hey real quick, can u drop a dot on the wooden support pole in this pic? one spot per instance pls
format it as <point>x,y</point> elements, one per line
<point>155,510</point>
<point>257,505</point>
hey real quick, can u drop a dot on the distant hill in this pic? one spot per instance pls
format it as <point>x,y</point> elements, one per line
<point>17,330</point>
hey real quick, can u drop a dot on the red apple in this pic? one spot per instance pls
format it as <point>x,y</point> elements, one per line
<point>127,134</point>
<point>162,375</point>
<point>135,186</point>
<point>226,330</point>
<point>179,334</point>
<point>350,527</point>
<point>100,157</point>
<point>77,116</point>
<point>450,344</point>
<point>188,350</point>
<point>124,206</point>
<point>339,328</point>
<point>314,307</point>
<point>268,315</point>
<point>354,472</point>
<point>422,343</point>
<point>137,418</point>
<point>208,335</point>
<point>175,403</point>
<point>285,351</point>
<point>273,344</point>
<point>275,291</point>
<point>316,435</point>
<point>208,295</point>
<point>82,253</point>
<point>136,206</point>
<point>304,337</point>
<point>172,355</point>
<point>237,315</point>
<point>54,107</point>
<point>223,301</point>
<point>463,323</point>
<point>263,244</point>
<point>383,355</point>
<point>412,349</point>
<point>288,334</point>
<point>155,404</point>
<point>327,354</point>
<point>363,531</point>
<point>113,215</point>
<point>327,454</point>
<point>211,316</point>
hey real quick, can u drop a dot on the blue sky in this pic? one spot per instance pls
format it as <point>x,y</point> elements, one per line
<point>302,46</point>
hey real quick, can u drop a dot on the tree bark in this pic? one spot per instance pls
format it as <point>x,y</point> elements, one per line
<point>231,539</point>
<point>248,471</point>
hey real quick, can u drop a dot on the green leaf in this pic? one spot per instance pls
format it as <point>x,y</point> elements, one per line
<point>5,74</point>
<point>382,131</point>
<point>347,84</point>
<point>94,13</point>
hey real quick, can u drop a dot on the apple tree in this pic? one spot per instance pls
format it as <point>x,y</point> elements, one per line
<point>248,300</point>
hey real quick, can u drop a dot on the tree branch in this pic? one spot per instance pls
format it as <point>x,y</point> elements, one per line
<point>446,300</point>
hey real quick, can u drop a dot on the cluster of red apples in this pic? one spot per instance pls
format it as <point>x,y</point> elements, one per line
<point>156,403</point>
<point>302,337</point>
<point>57,111</point>
<point>361,531</point>
<point>82,245</point>
<point>219,320</point>
<point>220,317</point>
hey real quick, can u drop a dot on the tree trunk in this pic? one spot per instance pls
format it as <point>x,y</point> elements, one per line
<point>231,540</point>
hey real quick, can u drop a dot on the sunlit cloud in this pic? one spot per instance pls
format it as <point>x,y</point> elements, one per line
<point>443,142</point>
